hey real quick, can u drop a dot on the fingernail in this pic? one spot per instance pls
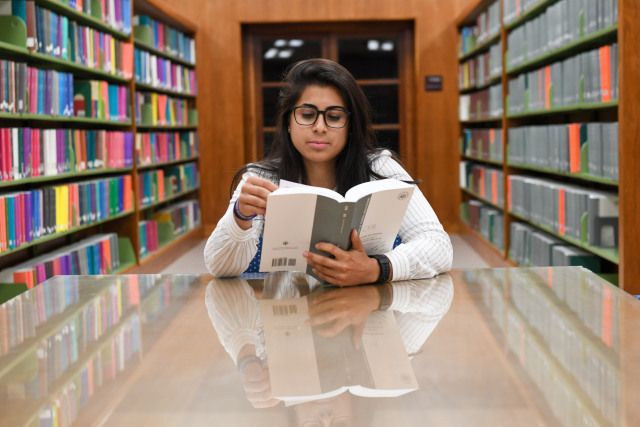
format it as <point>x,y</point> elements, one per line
<point>305,254</point>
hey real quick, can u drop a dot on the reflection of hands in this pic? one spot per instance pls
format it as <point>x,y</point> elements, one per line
<point>344,307</point>
<point>347,268</point>
<point>253,198</point>
<point>257,386</point>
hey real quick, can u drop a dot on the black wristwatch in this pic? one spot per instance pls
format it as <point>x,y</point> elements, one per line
<point>385,268</point>
<point>384,289</point>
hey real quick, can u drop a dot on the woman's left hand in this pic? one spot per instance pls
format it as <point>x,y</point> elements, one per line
<point>339,308</point>
<point>347,268</point>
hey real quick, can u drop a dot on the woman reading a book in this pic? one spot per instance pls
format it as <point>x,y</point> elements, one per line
<point>324,138</point>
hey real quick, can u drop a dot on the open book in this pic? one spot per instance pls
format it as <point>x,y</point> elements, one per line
<point>304,366</point>
<point>300,216</point>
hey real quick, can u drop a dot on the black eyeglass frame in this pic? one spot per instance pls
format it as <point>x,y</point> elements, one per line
<point>318,113</point>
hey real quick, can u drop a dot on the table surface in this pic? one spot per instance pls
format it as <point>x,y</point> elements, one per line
<point>515,346</point>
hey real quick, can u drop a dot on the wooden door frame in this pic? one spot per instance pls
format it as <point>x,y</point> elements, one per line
<point>404,31</point>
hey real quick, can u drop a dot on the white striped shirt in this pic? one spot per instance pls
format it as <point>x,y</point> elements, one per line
<point>234,309</point>
<point>425,250</point>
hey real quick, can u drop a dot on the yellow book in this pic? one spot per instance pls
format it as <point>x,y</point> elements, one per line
<point>162,217</point>
<point>113,56</point>
<point>154,105</point>
<point>90,52</point>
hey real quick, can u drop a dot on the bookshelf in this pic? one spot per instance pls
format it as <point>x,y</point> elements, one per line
<point>75,125</point>
<point>74,336</point>
<point>555,326</point>
<point>560,139</point>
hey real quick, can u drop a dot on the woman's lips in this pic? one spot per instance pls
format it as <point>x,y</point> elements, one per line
<point>318,144</point>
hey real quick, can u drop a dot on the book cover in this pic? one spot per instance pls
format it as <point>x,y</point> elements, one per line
<point>375,209</point>
<point>305,366</point>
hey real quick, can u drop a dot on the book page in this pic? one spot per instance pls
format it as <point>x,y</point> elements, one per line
<point>292,360</point>
<point>387,357</point>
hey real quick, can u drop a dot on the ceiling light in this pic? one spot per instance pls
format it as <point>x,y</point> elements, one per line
<point>280,43</point>
<point>271,53</point>
<point>388,46</point>
<point>296,42</point>
<point>285,53</point>
<point>373,45</point>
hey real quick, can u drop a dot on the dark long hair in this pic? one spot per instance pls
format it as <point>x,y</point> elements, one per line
<point>352,164</point>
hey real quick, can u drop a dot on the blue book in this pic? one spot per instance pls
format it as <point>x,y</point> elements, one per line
<point>11,221</point>
<point>54,47</point>
<point>39,30</point>
<point>93,190</point>
<point>28,217</point>
<point>121,194</point>
<point>19,9</point>
<point>70,107</point>
<point>64,37</point>
<point>126,16</point>
<point>113,102</point>
<point>41,91</point>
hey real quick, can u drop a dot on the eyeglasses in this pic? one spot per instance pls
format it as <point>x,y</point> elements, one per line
<point>334,117</point>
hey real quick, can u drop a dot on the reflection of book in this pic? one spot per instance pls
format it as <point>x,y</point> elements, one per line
<point>299,217</point>
<point>304,366</point>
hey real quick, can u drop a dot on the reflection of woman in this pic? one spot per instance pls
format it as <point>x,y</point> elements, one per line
<point>235,314</point>
<point>324,138</point>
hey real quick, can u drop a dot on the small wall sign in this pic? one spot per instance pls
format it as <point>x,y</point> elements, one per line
<point>433,83</point>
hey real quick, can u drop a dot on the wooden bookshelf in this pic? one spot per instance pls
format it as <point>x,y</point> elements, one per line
<point>182,162</point>
<point>620,261</point>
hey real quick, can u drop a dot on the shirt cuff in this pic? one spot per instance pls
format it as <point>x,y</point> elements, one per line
<point>236,233</point>
<point>400,266</point>
<point>401,296</point>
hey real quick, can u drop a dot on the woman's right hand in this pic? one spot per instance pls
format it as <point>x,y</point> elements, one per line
<point>253,198</point>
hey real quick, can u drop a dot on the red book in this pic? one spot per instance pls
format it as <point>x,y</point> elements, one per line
<point>24,276</point>
<point>574,147</point>
<point>605,73</point>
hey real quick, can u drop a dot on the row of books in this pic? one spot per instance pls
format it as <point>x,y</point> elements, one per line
<point>562,23</point>
<point>567,342</point>
<point>98,99</point>
<point>484,104</point>
<point>563,147</point>
<point>567,401</point>
<point>33,152</point>
<point>162,147</point>
<point>25,89</point>
<point>588,78</point>
<point>160,109</point>
<point>167,39</point>
<point>486,220</point>
<point>531,247</point>
<point>20,316</point>
<point>104,366</point>
<point>56,35</point>
<point>26,216</point>
<point>487,26</point>
<point>483,181</point>
<point>582,213</point>
<point>148,234</point>
<point>481,69</point>
<point>65,345</point>
<point>184,216</point>
<point>115,13</point>
<point>483,143</point>
<point>157,185</point>
<point>163,73</point>
<point>98,254</point>
<point>596,305</point>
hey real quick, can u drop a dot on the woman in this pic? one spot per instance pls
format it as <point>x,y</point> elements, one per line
<point>324,138</point>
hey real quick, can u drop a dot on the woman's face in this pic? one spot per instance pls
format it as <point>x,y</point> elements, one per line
<point>318,143</point>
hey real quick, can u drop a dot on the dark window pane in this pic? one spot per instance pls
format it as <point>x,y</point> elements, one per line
<point>384,102</point>
<point>278,54</point>
<point>269,100</point>
<point>369,58</point>
<point>268,140</point>
<point>389,139</point>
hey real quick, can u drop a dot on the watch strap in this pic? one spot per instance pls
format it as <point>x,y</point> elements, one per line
<point>385,268</point>
<point>386,297</point>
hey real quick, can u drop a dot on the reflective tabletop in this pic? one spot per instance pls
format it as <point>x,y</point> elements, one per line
<point>479,347</point>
